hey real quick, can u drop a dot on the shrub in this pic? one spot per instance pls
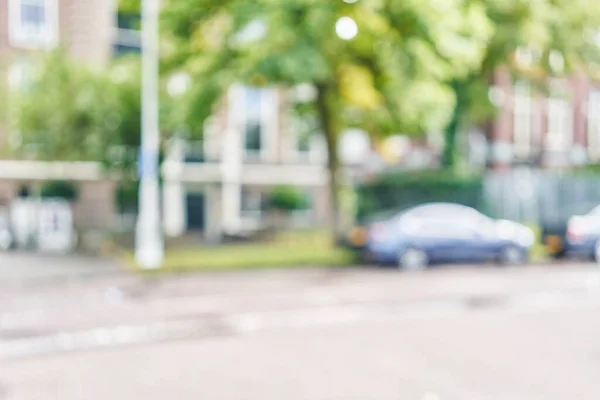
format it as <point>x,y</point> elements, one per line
<point>402,190</point>
<point>59,189</point>
<point>286,199</point>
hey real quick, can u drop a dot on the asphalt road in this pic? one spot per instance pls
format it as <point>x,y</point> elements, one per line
<point>25,267</point>
<point>466,333</point>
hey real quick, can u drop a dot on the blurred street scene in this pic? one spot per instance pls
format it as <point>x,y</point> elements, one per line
<point>251,199</point>
<point>466,333</point>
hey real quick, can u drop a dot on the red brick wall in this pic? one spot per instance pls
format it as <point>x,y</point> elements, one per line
<point>501,130</point>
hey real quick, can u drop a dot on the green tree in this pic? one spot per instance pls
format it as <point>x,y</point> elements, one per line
<point>67,111</point>
<point>286,199</point>
<point>129,6</point>
<point>388,79</point>
<point>548,28</point>
<point>62,110</point>
<point>282,201</point>
<point>59,189</point>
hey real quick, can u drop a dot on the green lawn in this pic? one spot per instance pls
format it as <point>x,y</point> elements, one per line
<point>538,251</point>
<point>292,249</point>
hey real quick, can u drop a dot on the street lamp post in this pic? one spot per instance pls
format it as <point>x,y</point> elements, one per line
<point>149,251</point>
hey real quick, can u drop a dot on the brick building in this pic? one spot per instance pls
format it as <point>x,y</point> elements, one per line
<point>85,28</point>
<point>560,129</point>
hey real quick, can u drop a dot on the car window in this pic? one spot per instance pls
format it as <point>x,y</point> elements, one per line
<point>595,212</point>
<point>484,223</point>
<point>445,212</point>
<point>443,228</point>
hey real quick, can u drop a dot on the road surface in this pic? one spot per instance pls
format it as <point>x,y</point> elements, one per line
<point>453,334</point>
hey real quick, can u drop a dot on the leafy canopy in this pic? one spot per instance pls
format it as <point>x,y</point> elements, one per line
<point>287,199</point>
<point>535,40</point>
<point>388,78</point>
<point>65,110</point>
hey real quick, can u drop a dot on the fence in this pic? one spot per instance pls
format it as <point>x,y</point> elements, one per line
<point>540,196</point>
<point>536,196</point>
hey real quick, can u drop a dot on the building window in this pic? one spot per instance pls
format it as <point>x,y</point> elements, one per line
<point>523,118</point>
<point>194,152</point>
<point>306,132</point>
<point>560,124</point>
<point>593,123</point>
<point>33,23</point>
<point>251,203</point>
<point>253,128</point>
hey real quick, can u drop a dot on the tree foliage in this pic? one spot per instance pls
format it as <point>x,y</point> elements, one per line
<point>391,71</point>
<point>561,30</point>
<point>287,199</point>
<point>388,79</point>
<point>65,110</point>
<point>59,189</point>
<point>129,6</point>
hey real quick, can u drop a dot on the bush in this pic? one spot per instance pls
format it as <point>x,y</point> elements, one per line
<point>287,199</point>
<point>59,189</point>
<point>402,190</point>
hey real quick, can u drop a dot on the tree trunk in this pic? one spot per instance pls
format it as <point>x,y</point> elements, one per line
<point>449,156</point>
<point>325,109</point>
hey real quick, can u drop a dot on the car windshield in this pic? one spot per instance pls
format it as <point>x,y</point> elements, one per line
<point>444,211</point>
<point>595,211</point>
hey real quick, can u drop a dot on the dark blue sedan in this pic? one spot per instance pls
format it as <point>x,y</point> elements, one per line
<point>446,233</point>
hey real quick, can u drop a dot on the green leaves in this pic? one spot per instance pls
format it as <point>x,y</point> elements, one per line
<point>66,111</point>
<point>129,6</point>
<point>392,72</point>
<point>287,199</point>
<point>534,40</point>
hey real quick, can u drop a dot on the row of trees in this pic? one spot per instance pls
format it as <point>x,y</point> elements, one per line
<point>386,66</point>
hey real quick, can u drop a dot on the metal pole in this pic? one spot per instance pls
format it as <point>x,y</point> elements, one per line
<point>149,251</point>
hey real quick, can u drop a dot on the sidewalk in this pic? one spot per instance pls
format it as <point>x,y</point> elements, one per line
<point>25,268</point>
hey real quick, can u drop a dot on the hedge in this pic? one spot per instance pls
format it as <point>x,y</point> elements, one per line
<point>59,189</point>
<point>397,191</point>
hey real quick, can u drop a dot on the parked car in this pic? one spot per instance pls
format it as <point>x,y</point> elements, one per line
<point>553,225</point>
<point>356,238</point>
<point>446,233</point>
<point>582,238</point>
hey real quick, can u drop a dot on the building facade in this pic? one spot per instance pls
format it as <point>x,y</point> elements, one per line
<point>557,129</point>
<point>85,29</point>
<point>251,145</point>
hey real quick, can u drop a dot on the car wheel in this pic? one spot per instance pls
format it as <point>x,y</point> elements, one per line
<point>412,259</point>
<point>512,255</point>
